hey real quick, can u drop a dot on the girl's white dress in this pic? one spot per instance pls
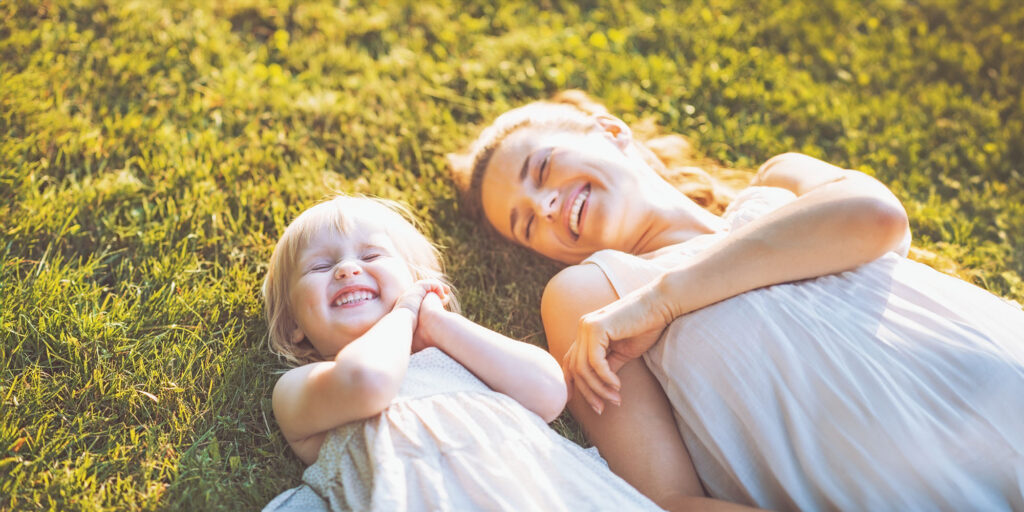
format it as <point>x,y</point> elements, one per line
<point>888,387</point>
<point>448,442</point>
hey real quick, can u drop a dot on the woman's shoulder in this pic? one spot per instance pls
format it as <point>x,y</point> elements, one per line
<point>606,273</point>
<point>576,280</point>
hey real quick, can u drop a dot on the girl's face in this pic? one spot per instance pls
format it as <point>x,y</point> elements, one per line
<point>566,195</point>
<point>343,284</point>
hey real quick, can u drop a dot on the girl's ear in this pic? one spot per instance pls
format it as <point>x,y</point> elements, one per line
<point>297,335</point>
<point>615,130</point>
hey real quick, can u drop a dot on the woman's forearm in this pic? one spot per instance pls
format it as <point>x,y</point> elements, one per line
<point>835,227</point>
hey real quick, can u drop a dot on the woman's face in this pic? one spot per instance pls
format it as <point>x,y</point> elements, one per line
<point>565,195</point>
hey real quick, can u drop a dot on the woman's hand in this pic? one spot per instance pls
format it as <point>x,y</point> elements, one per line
<point>610,337</point>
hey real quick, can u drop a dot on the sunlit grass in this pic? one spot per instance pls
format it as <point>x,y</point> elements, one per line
<point>151,153</point>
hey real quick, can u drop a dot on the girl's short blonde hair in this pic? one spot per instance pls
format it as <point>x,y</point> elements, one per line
<point>339,214</point>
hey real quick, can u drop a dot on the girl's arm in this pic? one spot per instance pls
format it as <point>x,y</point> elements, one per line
<point>361,380</point>
<point>520,370</point>
<point>841,219</point>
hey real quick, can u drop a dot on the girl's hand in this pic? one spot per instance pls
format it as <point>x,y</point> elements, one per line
<point>610,337</point>
<point>412,299</point>
<point>431,312</point>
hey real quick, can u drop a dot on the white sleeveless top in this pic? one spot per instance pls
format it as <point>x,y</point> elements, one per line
<point>888,387</point>
<point>448,442</point>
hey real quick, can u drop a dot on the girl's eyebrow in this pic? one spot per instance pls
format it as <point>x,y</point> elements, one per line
<point>378,247</point>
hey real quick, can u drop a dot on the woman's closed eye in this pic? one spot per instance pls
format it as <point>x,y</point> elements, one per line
<point>542,174</point>
<point>542,169</point>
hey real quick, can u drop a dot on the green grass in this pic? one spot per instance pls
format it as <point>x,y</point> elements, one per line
<point>151,153</point>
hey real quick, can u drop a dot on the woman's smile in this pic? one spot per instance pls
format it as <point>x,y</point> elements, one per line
<point>576,205</point>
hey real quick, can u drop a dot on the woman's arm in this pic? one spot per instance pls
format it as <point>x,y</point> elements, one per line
<point>517,369</point>
<point>841,219</point>
<point>638,438</point>
<point>360,382</point>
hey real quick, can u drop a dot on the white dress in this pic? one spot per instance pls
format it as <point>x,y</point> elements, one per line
<point>888,387</point>
<point>448,442</point>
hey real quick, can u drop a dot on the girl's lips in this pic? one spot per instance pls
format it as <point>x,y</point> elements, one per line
<point>366,291</point>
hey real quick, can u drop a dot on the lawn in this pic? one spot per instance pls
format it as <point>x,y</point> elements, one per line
<point>152,152</point>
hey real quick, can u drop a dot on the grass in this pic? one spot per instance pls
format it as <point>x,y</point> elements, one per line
<point>151,153</point>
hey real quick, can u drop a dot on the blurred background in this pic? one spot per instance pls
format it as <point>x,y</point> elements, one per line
<point>152,152</point>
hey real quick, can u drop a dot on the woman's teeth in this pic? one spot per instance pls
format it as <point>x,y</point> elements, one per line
<point>577,207</point>
<point>353,297</point>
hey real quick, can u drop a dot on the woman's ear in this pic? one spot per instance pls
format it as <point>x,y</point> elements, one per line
<point>615,130</point>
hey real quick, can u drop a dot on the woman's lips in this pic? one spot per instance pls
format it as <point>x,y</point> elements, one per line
<point>576,208</point>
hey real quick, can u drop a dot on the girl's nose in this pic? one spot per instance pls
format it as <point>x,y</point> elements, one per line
<point>346,269</point>
<point>546,206</point>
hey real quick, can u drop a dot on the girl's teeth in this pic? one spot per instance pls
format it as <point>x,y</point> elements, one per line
<point>577,207</point>
<point>352,297</point>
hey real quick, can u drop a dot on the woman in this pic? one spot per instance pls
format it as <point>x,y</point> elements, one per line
<point>807,363</point>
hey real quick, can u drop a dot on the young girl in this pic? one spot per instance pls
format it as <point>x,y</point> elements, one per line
<point>400,404</point>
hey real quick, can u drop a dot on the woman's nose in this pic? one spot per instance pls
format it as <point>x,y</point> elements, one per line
<point>346,269</point>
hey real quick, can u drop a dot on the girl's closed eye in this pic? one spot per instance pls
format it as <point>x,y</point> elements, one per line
<point>370,256</point>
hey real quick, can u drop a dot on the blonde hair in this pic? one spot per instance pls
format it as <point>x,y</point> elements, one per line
<point>339,214</point>
<point>671,156</point>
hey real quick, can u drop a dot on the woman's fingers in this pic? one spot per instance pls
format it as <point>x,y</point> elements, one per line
<point>588,373</point>
<point>576,383</point>
<point>583,380</point>
<point>597,359</point>
<point>597,340</point>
